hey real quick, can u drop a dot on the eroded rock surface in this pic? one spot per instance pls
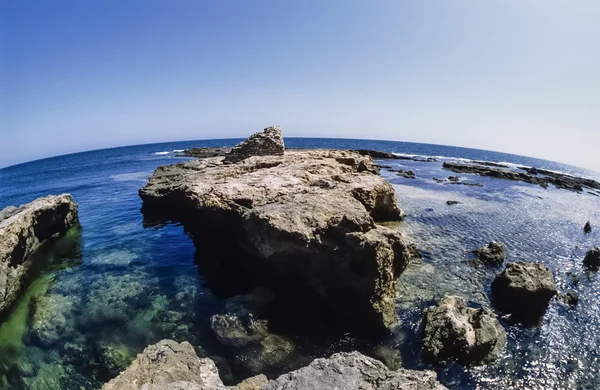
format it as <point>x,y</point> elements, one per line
<point>524,290</point>
<point>267,143</point>
<point>454,331</point>
<point>308,215</point>
<point>206,152</point>
<point>22,231</point>
<point>170,365</point>
<point>492,253</point>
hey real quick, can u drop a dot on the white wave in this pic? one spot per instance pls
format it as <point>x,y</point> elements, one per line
<point>178,150</point>
<point>162,153</point>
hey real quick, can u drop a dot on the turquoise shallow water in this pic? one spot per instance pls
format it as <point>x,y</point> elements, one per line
<point>118,284</point>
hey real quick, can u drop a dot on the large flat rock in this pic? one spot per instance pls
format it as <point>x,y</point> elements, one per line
<point>310,215</point>
<point>22,231</point>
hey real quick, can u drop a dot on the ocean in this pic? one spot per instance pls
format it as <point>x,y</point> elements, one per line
<point>118,283</point>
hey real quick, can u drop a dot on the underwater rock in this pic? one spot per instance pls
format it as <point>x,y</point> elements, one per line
<point>592,258</point>
<point>308,217</point>
<point>52,318</point>
<point>587,228</point>
<point>454,331</point>
<point>348,371</point>
<point>524,290</point>
<point>166,363</point>
<point>267,143</point>
<point>570,298</point>
<point>492,253</point>
<point>24,230</point>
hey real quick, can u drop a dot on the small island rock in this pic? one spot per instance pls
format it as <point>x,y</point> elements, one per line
<point>592,258</point>
<point>492,253</point>
<point>587,228</point>
<point>524,290</point>
<point>454,331</point>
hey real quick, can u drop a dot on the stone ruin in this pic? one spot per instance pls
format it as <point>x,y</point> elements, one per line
<point>267,143</point>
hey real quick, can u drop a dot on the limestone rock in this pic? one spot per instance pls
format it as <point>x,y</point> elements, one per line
<point>309,216</point>
<point>22,231</point>
<point>524,290</point>
<point>168,365</point>
<point>492,253</point>
<point>267,143</point>
<point>592,258</point>
<point>454,331</point>
<point>350,371</point>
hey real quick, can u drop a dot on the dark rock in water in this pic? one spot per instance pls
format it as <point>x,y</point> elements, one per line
<point>349,371</point>
<point>592,258</point>
<point>23,231</point>
<point>452,202</point>
<point>560,180</point>
<point>454,179</point>
<point>587,228</point>
<point>169,365</point>
<point>267,143</point>
<point>533,171</point>
<point>309,217</point>
<point>524,290</point>
<point>492,253</point>
<point>571,298</point>
<point>573,277</point>
<point>454,331</point>
<point>407,174</point>
<point>206,152</point>
<point>376,154</point>
<point>438,180</point>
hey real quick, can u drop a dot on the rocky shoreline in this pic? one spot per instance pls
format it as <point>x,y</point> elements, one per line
<point>23,230</point>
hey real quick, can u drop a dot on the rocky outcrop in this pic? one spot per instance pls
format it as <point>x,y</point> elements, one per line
<point>524,290</point>
<point>376,154</point>
<point>592,258</point>
<point>492,253</point>
<point>24,230</point>
<point>407,174</point>
<point>309,216</point>
<point>267,143</point>
<point>348,371</point>
<point>206,152</point>
<point>587,228</point>
<point>169,365</point>
<point>455,332</point>
<point>541,177</point>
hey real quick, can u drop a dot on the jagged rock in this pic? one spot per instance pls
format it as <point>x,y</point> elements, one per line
<point>587,228</point>
<point>407,174</point>
<point>452,202</point>
<point>492,253</point>
<point>454,331</point>
<point>524,290</point>
<point>22,231</point>
<point>350,371</point>
<point>206,152</point>
<point>592,258</point>
<point>267,143</point>
<point>165,363</point>
<point>309,216</point>
<point>169,365</point>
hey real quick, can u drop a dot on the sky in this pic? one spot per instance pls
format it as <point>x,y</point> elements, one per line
<point>517,76</point>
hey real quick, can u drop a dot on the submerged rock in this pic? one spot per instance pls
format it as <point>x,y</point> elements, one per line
<point>524,290</point>
<point>308,216</point>
<point>570,298</point>
<point>587,228</point>
<point>492,253</point>
<point>592,258</point>
<point>23,231</point>
<point>52,318</point>
<point>267,143</point>
<point>454,331</point>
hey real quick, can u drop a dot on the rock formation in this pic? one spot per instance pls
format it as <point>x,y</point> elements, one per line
<point>24,230</point>
<point>169,365</point>
<point>542,177</point>
<point>267,143</point>
<point>454,331</point>
<point>524,290</point>
<point>592,258</point>
<point>309,216</point>
<point>587,228</point>
<point>492,253</point>
<point>206,152</point>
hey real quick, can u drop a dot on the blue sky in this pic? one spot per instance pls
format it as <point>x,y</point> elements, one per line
<point>517,76</point>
